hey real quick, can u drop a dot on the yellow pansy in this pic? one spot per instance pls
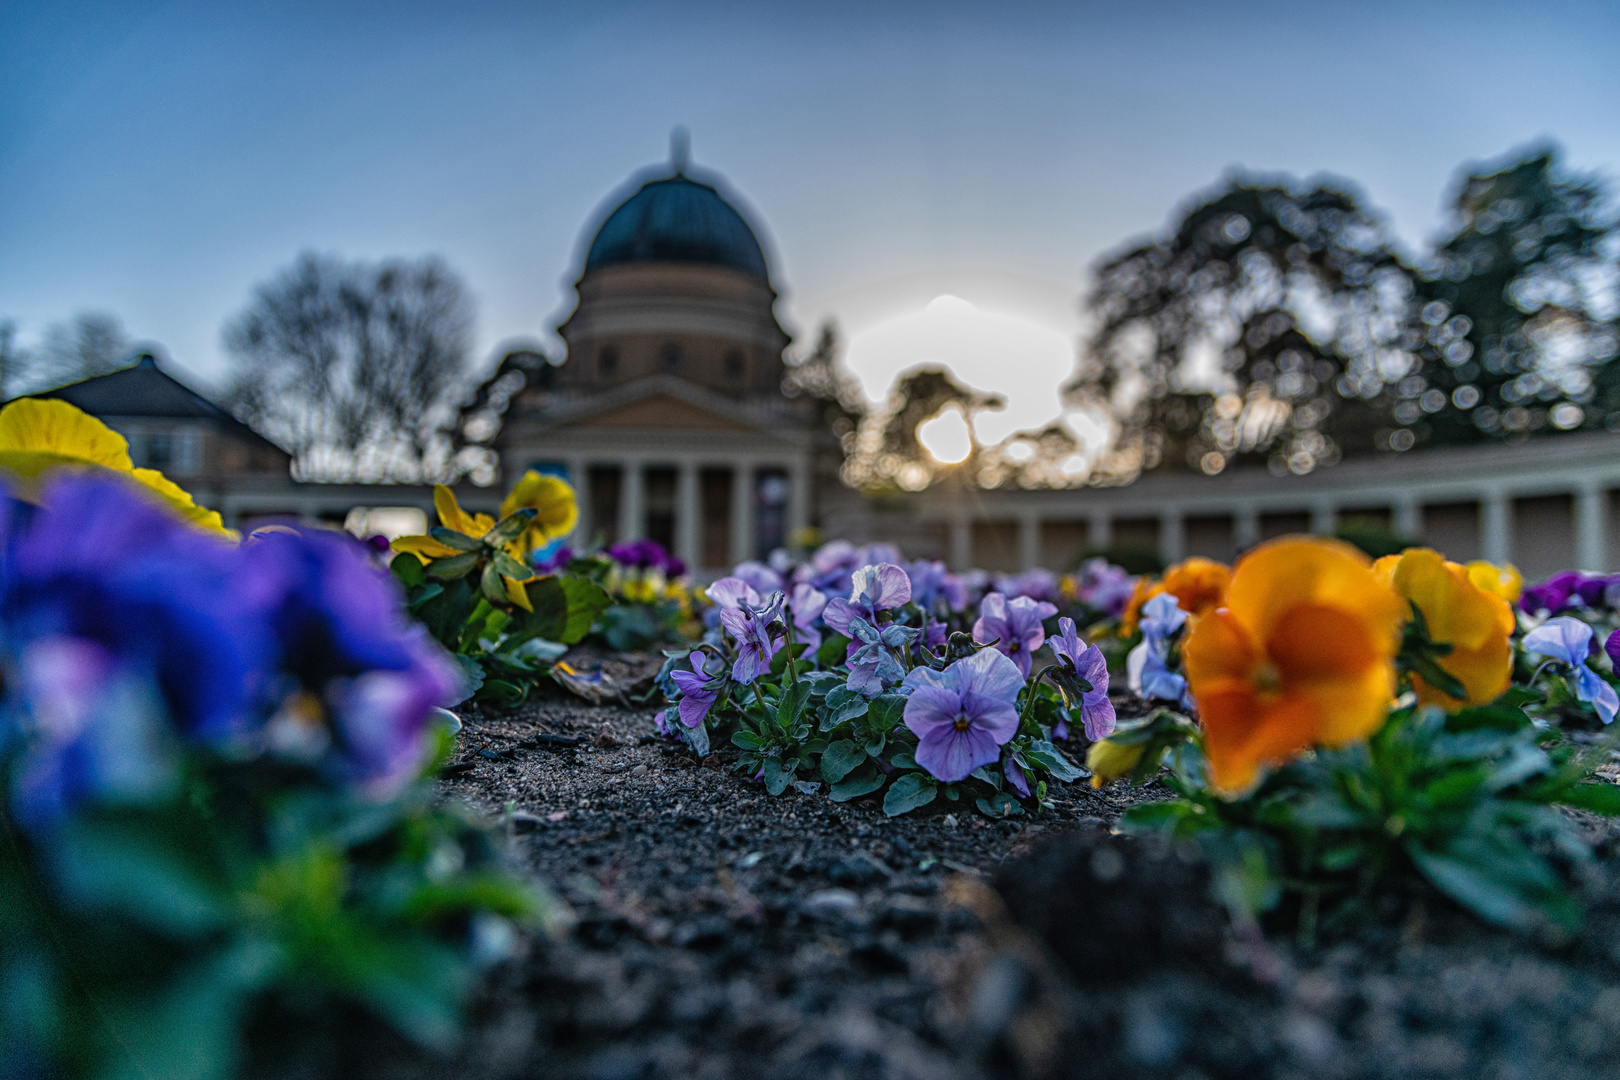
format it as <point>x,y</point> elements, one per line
<point>39,437</point>
<point>1474,621</point>
<point>551,499</point>
<point>1505,580</point>
<point>452,517</point>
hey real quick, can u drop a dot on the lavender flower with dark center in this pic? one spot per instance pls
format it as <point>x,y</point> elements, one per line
<point>1081,674</point>
<point>962,716</point>
<point>883,587</point>
<point>873,665</point>
<point>1017,625</point>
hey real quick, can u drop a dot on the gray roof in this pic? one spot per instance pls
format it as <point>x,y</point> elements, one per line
<point>145,390</point>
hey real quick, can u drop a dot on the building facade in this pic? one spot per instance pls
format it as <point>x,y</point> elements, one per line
<point>667,413</point>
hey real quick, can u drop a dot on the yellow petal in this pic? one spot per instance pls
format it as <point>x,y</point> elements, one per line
<point>556,511</point>
<point>182,503</point>
<point>1110,760</point>
<point>57,428</point>
<point>517,594</point>
<point>423,547</point>
<point>1504,581</point>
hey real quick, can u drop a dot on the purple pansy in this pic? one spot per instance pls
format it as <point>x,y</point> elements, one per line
<point>1014,773</point>
<point>756,644</point>
<point>1075,660</point>
<point>761,578</point>
<point>1569,640</point>
<point>1015,626</point>
<point>730,592</point>
<point>872,663</point>
<point>557,560</point>
<point>1569,589</point>
<point>935,589</point>
<point>1037,584</point>
<point>1105,587</point>
<point>1147,670</point>
<point>806,605</point>
<point>883,587</point>
<point>962,716</point>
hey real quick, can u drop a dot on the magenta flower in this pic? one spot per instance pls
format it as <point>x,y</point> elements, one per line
<point>1082,675</point>
<point>962,716</point>
<point>1017,625</point>
<point>883,587</point>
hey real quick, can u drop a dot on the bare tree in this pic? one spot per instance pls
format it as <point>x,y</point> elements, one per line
<point>355,367</point>
<point>15,361</point>
<point>92,343</point>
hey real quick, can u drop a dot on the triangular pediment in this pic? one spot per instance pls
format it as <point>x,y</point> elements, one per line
<point>661,412</point>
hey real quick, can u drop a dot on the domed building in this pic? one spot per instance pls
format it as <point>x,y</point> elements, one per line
<point>667,413</point>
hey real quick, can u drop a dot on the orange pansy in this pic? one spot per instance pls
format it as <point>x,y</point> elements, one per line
<point>1300,656</point>
<point>1198,584</point>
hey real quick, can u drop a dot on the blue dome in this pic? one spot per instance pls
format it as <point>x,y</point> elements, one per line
<point>677,219</point>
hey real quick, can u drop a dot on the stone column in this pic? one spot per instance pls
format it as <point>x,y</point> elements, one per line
<point>961,544</point>
<point>1029,539</point>
<point>579,475</point>
<point>798,517</point>
<point>632,512</point>
<point>1590,553</point>
<point>1408,518</point>
<point>742,511</point>
<point>688,515</point>
<point>1324,518</point>
<point>1496,527</point>
<point>1245,526</point>
<point>1099,529</point>
<point>1172,535</point>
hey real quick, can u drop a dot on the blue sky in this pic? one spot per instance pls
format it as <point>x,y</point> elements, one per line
<point>157,160</point>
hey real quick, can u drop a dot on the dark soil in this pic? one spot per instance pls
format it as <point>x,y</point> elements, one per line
<point>723,933</point>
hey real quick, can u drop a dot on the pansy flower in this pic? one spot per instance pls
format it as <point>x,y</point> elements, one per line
<point>1470,625</point>
<point>882,587</point>
<point>806,605</point>
<point>756,642</point>
<point>962,716</point>
<point>1198,584</point>
<point>1147,670</point>
<point>1082,676</point>
<point>1015,626</point>
<point>872,663</point>
<point>1570,640</point>
<point>1301,655</point>
<point>698,688</point>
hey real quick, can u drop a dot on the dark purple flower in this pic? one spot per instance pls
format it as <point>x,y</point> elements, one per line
<point>1567,589</point>
<point>963,715</point>
<point>1017,625</point>
<point>883,587</point>
<point>1077,661</point>
<point>756,645</point>
<point>555,561</point>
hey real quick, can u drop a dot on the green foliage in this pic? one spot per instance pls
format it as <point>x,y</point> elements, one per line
<point>504,650</point>
<point>146,940</point>
<point>1469,807</point>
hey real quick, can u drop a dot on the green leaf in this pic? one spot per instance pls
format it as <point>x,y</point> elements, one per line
<point>874,745</point>
<point>122,867</point>
<point>842,704</point>
<point>863,781</point>
<point>885,712</point>
<point>912,790</point>
<point>452,539</point>
<point>777,777</point>
<point>510,527</point>
<point>832,651</point>
<point>586,602</point>
<point>1598,798</point>
<point>1002,806</point>
<point>509,567</point>
<point>822,683</point>
<point>795,699</point>
<point>840,759</point>
<point>407,568</point>
<point>455,566</point>
<point>422,594</point>
<point>491,585</point>
<point>503,692</point>
<point>1048,757</point>
<point>748,740</point>
<point>902,759</point>
<point>1494,897</point>
<point>445,615</point>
